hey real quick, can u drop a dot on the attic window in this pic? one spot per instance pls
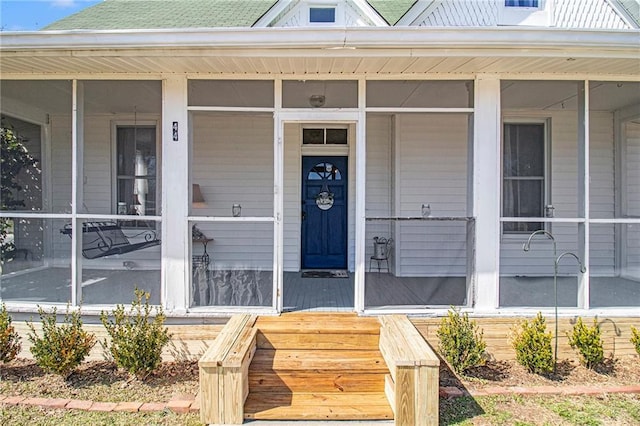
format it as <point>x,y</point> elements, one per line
<point>521,3</point>
<point>322,15</point>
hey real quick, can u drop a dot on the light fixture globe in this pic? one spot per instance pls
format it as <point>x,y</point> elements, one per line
<point>317,101</point>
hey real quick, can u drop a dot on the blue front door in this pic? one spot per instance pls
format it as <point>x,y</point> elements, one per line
<point>324,212</point>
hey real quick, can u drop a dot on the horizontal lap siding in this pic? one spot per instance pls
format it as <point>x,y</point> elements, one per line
<point>632,159</point>
<point>97,165</point>
<point>232,161</point>
<point>432,152</point>
<point>564,190</point>
<point>61,155</point>
<point>292,197</point>
<point>379,171</point>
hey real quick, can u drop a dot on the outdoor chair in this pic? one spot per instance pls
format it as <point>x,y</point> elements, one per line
<point>106,238</point>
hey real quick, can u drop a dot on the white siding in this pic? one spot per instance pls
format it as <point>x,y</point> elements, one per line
<point>461,13</point>
<point>432,154</point>
<point>60,184</point>
<point>232,161</point>
<point>98,179</point>
<point>587,14</point>
<point>632,170</point>
<point>292,197</point>
<point>297,15</point>
<point>593,14</point>
<point>379,200</point>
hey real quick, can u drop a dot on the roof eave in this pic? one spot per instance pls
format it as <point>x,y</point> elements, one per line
<point>330,39</point>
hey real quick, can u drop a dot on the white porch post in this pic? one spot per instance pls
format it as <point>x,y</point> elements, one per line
<point>361,181</point>
<point>278,198</point>
<point>486,190</point>
<point>583,191</point>
<point>175,194</point>
<point>77,189</point>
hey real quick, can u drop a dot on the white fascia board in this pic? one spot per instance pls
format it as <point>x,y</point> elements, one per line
<point>334,41</point>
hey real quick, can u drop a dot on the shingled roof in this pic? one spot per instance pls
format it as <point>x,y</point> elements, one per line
<point>156,14</point>
<point>153,14</point>
<point>392,10</point>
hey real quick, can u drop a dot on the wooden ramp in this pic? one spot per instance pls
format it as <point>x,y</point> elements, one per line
<point>317,366</point>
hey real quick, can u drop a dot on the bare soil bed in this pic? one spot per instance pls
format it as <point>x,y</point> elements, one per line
<point>102,381</point>
<point>618,372</point>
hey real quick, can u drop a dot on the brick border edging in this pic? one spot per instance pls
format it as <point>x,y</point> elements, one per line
<point>454,392</point>
<point>183,404</point>
<point>179,405</point>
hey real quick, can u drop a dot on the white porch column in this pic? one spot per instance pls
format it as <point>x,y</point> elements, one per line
<point>361,182</point>
<point>486,191</point>
<point>176,235</point>
<point>583,191</point>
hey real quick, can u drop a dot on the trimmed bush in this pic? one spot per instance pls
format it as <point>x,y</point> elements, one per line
<point>588,342</point>
<point>532,344</point>
<point>136,338</point>
<point>62,347</point>
<point>9,338</point>
<point>461,343</point>
<point>635,338</point>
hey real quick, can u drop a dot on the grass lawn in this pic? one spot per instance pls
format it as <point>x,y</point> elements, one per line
<point>542,410</point>
<point>496,410</point>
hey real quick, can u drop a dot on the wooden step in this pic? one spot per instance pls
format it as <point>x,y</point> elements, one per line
<point>318,341</point>
<point>317,361</point>
<point>312,381</point>
<point>317,366</point>
<point>319,324</point>
<point>318,406</point>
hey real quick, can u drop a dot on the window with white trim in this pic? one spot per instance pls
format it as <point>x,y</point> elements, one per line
<point>322,14</point>
<point>521,3</point>
<point>136,170</point>
<point>524,175</point>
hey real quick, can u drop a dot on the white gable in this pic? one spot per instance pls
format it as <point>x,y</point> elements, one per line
<point>587,14</point>
<point>591,14</point>
<point>297,13</point>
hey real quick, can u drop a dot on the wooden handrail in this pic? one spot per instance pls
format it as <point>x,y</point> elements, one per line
<point>412,388</point>
<point>224,369</point>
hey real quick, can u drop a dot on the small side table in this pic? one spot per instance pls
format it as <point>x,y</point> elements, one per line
<point>202,259</point>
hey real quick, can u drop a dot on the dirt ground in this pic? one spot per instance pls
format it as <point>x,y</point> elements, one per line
<point>102,381</point>
<point>621,371</point>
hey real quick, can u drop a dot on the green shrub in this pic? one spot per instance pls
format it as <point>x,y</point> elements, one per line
<point>62,347</point>
<point>588,342</point>
<point>9,338</point>
<point>136,339</point>
<point>460,342</point>
<point>533,345</point>
<point>635,338</point>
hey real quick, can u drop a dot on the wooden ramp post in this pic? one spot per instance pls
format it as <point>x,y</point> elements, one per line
<point>224,371</point>
<point>413,385</point>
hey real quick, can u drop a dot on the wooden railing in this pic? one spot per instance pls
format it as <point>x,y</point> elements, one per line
<point>413,385</point>
<point>224,370</point>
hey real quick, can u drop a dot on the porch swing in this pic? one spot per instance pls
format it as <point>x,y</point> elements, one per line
<point>106,238</point>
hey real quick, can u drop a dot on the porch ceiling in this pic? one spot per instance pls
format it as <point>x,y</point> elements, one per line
<point>206,62</point>
<point>370,52</point>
